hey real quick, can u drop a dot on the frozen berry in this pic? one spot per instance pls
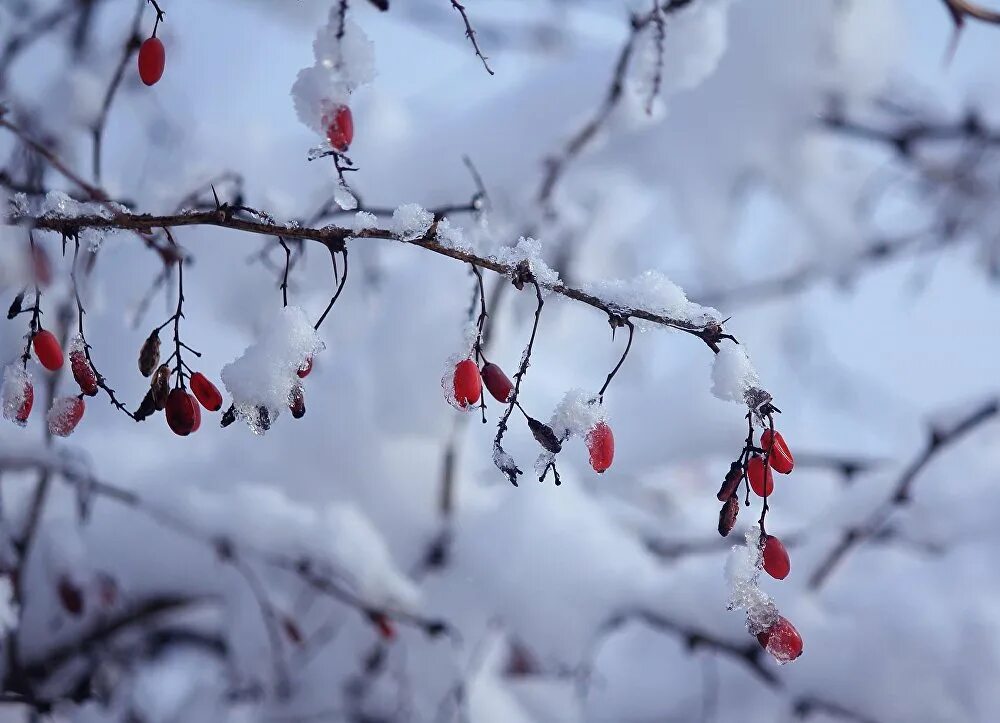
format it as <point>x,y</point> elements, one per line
<point>206,392</point>
<point>732,481</point>
<point>780,458</point>
<point>761,479</point>
<point>152,58</point>
<point>297,402</point>
<point>601,444</point>
<point>307,366</point>
<point>781,640</point>
<point>18,394</point>
<point>340,128</point>
<point>47,349</point>
<point>83,373</point>
<point>65,414</point>
<point>468,383</point>
<point>497,382</point>
<point>776,562</point>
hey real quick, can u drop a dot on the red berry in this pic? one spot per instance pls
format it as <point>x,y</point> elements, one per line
<point>25,409</point>
<point>781,458</point>
<point>601,443</point>
<point>206,392</point>
<point>761,479</point>
<point>47,349</point>
<point>152,58</point>
<point>307,366</point>
<point>197,414</point>
<point>497,382</point>
<point>781,640</point>
<point>83,372</point>
<point>776,562</point>
<point>65,414</point>
<point>468,383</point>
<point>182,412</point>
<point>340,128</point>
<point>70,595</point>
<point>297,402</point>
<point>18,395</point>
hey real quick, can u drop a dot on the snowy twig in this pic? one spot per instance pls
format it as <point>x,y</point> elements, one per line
<point>332,236</point>
<point>962,9</point>
<point>938,439</point>
<point>98,377</point>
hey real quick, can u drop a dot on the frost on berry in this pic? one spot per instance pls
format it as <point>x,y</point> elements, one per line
<point>65,414</point>
<point>743,568</point>
<point>17,394</point>
<point>264,376</point>
<point>341,65</point>
<point>83,373</point>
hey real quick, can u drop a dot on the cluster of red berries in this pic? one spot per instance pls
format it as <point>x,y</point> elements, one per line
<point>781,639</point>
<point>181,408</point>
<point>468,385</point>
<point>66,412</point>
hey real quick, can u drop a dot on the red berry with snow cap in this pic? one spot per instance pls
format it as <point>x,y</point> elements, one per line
<point>83,373</point>
<point>65,414</point>
<point>601,445</point>
<point>781,640</point>
<point>307,366</point>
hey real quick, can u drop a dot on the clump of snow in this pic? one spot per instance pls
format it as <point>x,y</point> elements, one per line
<point>344,198</point>
<point>410,221</point>
<point>363,221</point>
<point>265,374</point>
<point>16,381</point>
<point>452,237</point>
<point>528,250</point>
<point>341,65</point>
<point>653,292</point>
<point>576,414</point>
<point>57,203</point>
<point>732,374</point>
<point>743,568</point>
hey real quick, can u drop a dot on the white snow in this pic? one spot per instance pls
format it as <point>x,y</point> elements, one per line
<point>576,414</point>
<point>362,221</point>
<point>341,65</point>
<point>344,198</point>
<point>410,221</point>
<point>653,292</point>
<point>15,384</point>
<point>529,250</point>
<point>265,374</point>
<point>732,373</point>
<point>743,568</point>
<point>452,237</point>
